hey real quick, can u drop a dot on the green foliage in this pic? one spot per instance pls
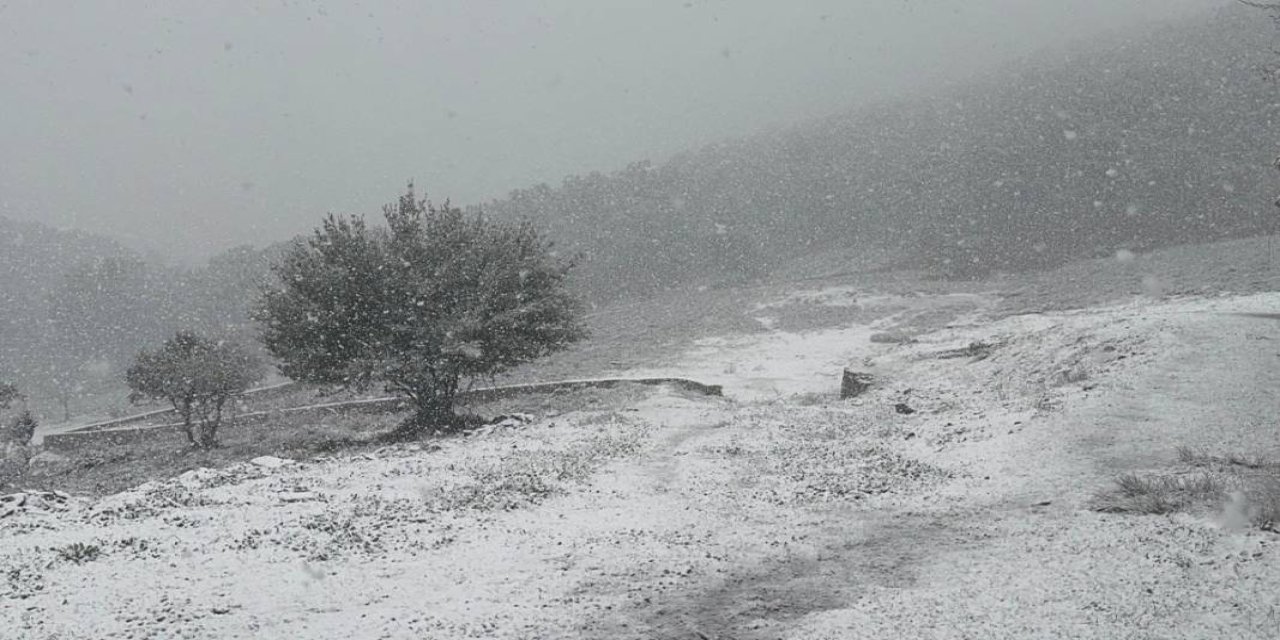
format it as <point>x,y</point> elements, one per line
<point>431,300</point>
<point>197,376</point>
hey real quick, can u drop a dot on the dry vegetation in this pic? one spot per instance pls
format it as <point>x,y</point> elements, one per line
<point>1239,489</point>
<point>112,468</point>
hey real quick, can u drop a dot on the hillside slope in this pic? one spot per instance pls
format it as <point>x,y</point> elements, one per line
<point>775,512</point>
<point>1131,142</point>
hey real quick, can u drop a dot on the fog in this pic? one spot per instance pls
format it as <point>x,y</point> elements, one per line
<point>745,319</point>
<point>187,127</point>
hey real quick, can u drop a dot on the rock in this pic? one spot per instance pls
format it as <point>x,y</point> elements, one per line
<point>33,501</point>
<point>206,478</point>
<point>512,420</point>
<point>14,499</point>
<point>854,384</point>
<point>270,462</point>
<point>199,477</point>
<point>903,408</point>
<point>892,337</point>
<point>48,462</point>
<point>298,496</point>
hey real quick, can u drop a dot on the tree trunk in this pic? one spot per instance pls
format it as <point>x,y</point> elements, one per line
<point>433,414</point>
<point>184,410</point>
<point>432,411</point>
<point>209,426</point>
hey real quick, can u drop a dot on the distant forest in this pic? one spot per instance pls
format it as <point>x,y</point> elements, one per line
<point>76,308</point>
<point>1133,143</point>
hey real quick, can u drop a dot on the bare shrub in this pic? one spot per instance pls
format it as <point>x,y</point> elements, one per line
<point>1243,489</point>
<point>1200,458</point>
<point>79,552</point>
<point>1265,497</point>
<point>1160,494</point>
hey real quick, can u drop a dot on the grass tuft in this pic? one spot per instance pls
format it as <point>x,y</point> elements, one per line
<point>1265,498</point>
<point>1241,490</point>
<point>1160,494</point>
<point>79,552</point>
<point>1200,458</point>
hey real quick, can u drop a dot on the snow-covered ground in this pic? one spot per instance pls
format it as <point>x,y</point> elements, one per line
<point>776,512</point>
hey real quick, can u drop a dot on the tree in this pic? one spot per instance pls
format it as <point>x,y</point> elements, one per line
<point>435,298</point>
<point>15,435</point>
<point>8,394</point>
<point>21,429</point>
<point>197,376</point>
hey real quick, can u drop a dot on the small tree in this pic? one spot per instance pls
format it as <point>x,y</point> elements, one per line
<point>433,299</point>
<point>23,428</point>
<point>8,395</point>
<point>197,376</point>
<point>15,436</point>
<point>20,428</point>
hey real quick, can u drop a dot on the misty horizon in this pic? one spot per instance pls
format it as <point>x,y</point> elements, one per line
<point>186,136</point>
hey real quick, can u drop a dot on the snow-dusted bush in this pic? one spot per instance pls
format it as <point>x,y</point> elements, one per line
<point>433,299</point>
<point>197,376</point>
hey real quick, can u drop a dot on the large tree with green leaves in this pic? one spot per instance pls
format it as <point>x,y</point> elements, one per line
<point>432,300</point>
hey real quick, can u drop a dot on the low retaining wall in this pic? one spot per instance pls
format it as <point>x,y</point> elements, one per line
<point>260,392</point>
<point>117,432</point>
<point>508,391</point>
<point>109,437</point>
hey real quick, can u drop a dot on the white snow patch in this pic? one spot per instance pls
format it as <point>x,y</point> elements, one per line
<point>779,364</point>
<point>270,462</point>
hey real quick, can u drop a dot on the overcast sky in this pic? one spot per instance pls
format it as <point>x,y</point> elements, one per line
<point>188,127</point>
